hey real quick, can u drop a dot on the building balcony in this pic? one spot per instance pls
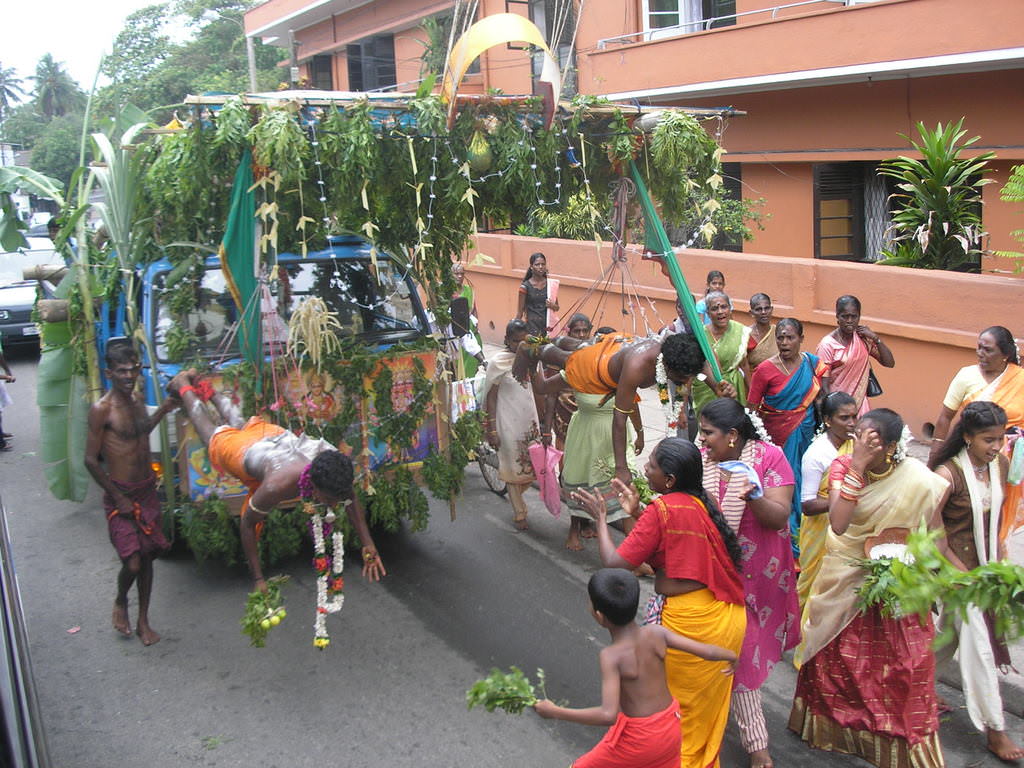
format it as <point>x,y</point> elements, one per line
<point>800,44</point>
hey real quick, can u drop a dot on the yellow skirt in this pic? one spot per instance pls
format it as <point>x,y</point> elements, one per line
<point>699,686</point>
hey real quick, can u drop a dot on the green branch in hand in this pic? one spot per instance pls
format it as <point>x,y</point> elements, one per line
<point>510,691</point>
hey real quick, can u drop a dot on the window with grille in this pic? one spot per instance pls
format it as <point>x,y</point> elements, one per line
<point>839,211</point>
<point>371,63</point>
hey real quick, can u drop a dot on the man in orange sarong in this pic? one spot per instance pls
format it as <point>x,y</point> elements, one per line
<point>271,461</point>
<point>617,366</point>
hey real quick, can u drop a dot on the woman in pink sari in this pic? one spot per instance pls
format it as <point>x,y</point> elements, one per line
<point>749,479</point>
<point>847,352</point>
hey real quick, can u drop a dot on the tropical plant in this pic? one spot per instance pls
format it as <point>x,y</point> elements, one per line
<point>937,223</point>
<point>55,92</point>
<point>10,89</point>
<point>1013,192</point>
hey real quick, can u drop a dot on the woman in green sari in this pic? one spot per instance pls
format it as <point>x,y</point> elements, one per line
<point>729,341</point>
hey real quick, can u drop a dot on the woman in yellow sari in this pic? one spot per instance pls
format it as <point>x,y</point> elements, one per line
<point>761,345</point>
<point>839,412</point>
<point>997,378</point>
<point>696,557</point>
<point>866,684</point>
<point>729,343</point>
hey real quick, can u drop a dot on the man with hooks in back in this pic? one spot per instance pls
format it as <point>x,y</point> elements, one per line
<point>616,365</point>
<point>273,462</point>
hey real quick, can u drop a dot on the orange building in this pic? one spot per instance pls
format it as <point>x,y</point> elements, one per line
<point>827,86</point>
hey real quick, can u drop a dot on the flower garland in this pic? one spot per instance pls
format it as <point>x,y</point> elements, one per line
<point>328,560</point>
<point>901,447</point>
<point>759,427</point>
<point>671,408</point>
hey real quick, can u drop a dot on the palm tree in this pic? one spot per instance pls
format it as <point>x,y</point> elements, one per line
<point>10,89</point>
<point>55,92</point>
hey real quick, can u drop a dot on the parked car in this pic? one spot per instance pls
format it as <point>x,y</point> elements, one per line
<point>18,295</point>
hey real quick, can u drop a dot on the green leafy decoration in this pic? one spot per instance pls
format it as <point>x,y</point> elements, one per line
<point>509,691</point>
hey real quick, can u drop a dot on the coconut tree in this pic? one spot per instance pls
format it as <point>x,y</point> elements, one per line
<point>10,89</point>
<point>55,92</point>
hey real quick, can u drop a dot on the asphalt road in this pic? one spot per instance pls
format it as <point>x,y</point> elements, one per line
<point>458,599</point>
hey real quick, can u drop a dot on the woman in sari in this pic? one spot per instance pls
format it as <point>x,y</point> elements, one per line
<point>538,297</point>
<point>839,413</point>
<point>783,389</point>
<point>696,557</point>
<point>761,345</point>
<point>971,462</point>
<point>510,421</point>
<point>729,343</point>
<point>750,480</point>
<point>866,684</point>
<point>847,352</point>
<point>997,378</point>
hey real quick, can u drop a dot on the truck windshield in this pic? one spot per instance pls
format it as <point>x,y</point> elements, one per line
<point>374,304</point>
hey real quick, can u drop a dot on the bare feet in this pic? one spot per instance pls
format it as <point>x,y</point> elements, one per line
<point>146,634</point>
<point>520,523</point>
<point>120,619</point>
<point>943,705</point>
<point>761,759</point>
<point>1000,745</point>
<point>573,543</point>
<point>589,531</point>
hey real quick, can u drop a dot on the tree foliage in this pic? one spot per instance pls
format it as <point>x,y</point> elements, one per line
<point>55,93</point>
<point>55,151</point>
<point>11,89</point>
<point>148,69</point>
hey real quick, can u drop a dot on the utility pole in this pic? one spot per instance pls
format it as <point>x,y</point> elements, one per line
<point>250,54</point>
<point>293,46</point>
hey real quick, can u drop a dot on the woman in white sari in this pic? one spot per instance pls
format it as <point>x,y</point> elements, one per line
<point>511,422</point>
<point>971,461</point>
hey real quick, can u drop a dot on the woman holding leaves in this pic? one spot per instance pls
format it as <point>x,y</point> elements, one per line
<point>696,556</point>
<point>971,461</point>
<point>846,700</point>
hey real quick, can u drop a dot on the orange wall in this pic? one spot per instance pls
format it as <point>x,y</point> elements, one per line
<point>929,319</point>
<point>789,207</point>
<point>838,36</point>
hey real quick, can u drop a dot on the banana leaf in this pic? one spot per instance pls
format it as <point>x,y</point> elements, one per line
<point>63,411</point>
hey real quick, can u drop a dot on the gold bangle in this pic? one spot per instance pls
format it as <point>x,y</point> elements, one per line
<point>631,410</point>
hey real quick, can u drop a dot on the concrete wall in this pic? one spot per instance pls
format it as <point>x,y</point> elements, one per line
<point>929,319</point>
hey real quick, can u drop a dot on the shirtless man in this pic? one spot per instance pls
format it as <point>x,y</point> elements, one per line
<point>617,366</point>
<point>270,460</point>
<point>117,456</point>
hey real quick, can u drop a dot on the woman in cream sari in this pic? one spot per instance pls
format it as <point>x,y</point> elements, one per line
<point>866,684</point>
<point>511,422</point>
<point>729,343</point>
<point>997,378</point>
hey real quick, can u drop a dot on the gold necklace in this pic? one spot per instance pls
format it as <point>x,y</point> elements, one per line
<point>785,367</point>
<point>874,477</point>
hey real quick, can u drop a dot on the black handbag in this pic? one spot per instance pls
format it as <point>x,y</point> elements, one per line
<point>874,388</point>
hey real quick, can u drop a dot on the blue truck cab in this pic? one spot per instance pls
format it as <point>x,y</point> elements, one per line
<point>373,296</point>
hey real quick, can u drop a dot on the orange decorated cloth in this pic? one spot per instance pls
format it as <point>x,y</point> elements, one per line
<point>586,370</point>
<point>228,446</point>
<point>638,742</point>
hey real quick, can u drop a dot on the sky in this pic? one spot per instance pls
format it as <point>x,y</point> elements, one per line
<point>77,33</point>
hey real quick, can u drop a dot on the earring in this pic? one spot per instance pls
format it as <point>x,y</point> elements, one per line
<point>732,442</point>
<point>968,444</point>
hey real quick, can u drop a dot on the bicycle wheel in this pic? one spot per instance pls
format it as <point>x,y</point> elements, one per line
<point>487,459</point>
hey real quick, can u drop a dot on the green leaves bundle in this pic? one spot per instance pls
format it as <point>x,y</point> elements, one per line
<point>511,691</point>
<point>259,608</point>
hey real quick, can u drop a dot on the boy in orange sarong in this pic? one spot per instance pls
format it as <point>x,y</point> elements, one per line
<point>635,700</point>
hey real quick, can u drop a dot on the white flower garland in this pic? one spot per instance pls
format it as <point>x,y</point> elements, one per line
<point>336,556</point>
<point>759,428</point>
<point>668,403</point>
<point>901,447</point>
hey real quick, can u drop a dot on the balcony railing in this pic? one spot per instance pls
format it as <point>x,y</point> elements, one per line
<point>702,25</point>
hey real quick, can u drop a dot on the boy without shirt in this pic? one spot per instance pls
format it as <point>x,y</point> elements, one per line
<point>635,699</point>
<point>117,456</point>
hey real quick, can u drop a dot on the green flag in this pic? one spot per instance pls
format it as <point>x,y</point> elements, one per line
<point>238,260</point>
